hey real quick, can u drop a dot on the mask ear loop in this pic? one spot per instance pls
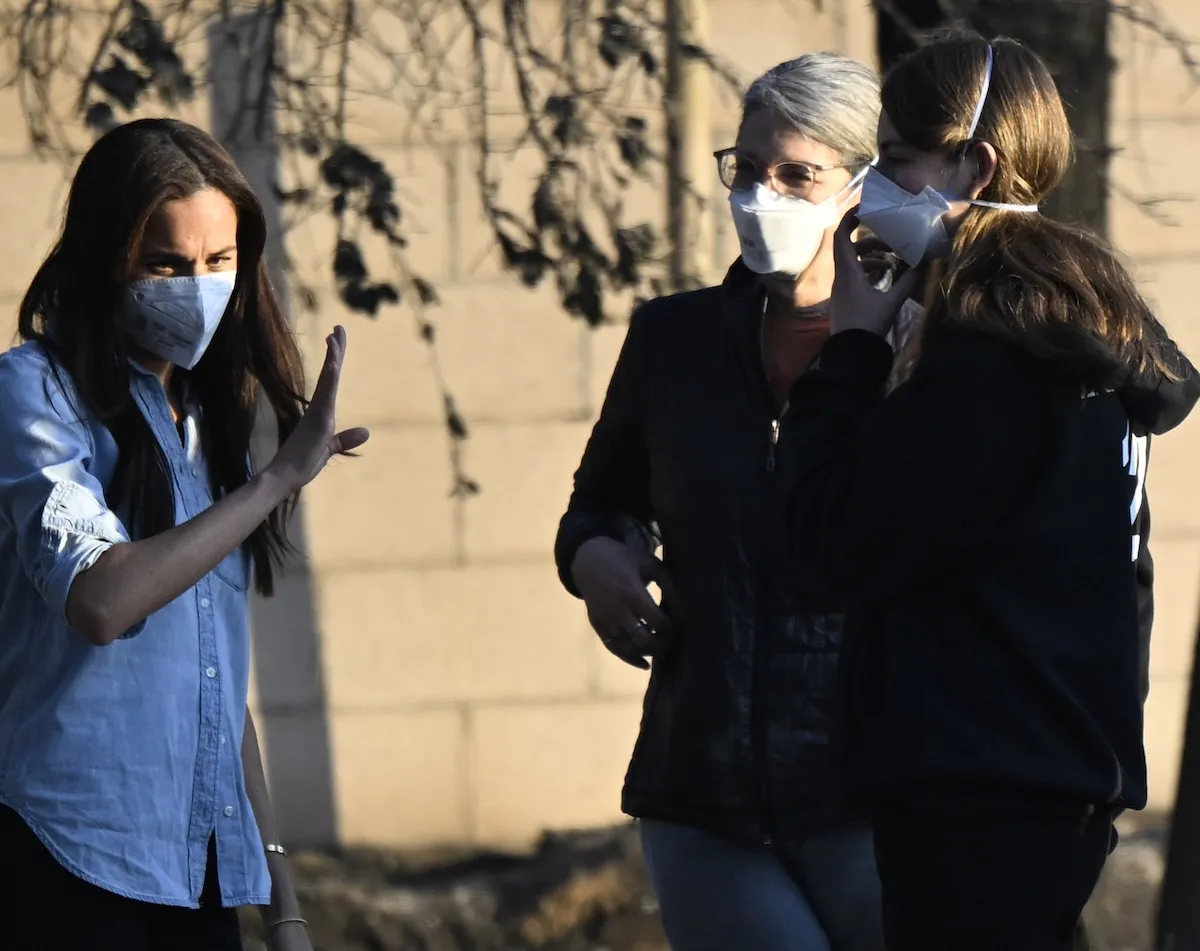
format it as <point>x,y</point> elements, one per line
<point>983,93</point>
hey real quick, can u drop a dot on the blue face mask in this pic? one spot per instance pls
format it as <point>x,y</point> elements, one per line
<point>175,317</point>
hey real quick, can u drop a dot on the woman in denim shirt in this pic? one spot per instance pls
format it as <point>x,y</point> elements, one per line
<point>132,523</point>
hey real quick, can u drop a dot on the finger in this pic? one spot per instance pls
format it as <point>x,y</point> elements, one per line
<point>348,440</point>
<point>653,569</point>
<point>331,369</point>
<point>906,285</point>
<point>845,253</point>
<point>639,638</point>
<point>616,643</point>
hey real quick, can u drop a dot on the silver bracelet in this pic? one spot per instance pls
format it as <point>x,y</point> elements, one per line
<point>287,921</point>
<point>277,849</point>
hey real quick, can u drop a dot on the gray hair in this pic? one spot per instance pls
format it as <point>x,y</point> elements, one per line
<point>830,98</point>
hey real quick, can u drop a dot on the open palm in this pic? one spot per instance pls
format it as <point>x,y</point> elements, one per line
<point>315,440</point>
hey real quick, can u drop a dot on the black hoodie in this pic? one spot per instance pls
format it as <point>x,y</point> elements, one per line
<point>986,521</point>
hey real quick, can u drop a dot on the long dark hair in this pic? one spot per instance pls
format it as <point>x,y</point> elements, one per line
<point>71,310</point>
<point>1058,291</point>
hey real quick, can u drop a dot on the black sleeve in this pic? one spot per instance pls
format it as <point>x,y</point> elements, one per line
<point>884,492</point>
<point>612,484</point>
<point>1144,568</point>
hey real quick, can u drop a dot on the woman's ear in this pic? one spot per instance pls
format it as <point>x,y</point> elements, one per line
<point>981,158</point>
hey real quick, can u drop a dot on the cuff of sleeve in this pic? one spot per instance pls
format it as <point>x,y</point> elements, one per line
<point>857,355</point>
<point>76,531</point>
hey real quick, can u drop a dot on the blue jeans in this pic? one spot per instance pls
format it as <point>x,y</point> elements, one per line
<point>716,895</point>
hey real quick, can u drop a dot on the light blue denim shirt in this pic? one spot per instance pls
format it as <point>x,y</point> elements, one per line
<point>123,759</point>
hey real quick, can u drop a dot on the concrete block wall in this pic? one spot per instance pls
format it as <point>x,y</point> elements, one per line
<point>1154,216</point>
<point>422,680</point>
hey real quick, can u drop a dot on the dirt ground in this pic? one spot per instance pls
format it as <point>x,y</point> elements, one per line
<point>589,892</point>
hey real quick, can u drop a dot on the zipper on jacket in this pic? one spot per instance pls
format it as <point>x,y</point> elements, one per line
<point>775,425</point>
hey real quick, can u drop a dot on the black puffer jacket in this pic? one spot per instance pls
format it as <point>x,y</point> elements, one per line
<point>736,723</point>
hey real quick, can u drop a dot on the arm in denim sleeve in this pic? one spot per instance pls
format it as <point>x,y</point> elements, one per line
<point>49,496</point>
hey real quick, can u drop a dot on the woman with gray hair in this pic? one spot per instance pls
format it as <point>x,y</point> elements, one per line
<point>745,838</point>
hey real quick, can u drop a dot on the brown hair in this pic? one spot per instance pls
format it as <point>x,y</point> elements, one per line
<point>71,310</point>
<point>1057,291</point>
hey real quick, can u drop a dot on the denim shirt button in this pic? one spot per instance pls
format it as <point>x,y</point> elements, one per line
<point>228,811</point>
<point>210,673</point>
<point>204,602</point>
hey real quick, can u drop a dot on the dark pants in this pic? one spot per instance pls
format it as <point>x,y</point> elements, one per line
<point>986,870</point>
<point>44,907</point>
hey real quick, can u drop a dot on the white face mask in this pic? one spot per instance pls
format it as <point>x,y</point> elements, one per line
<point>175,318</point>
<point>781,235</point>
<point>912,225</point>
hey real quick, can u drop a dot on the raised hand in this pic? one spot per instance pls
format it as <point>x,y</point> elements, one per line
<point>315,440</point>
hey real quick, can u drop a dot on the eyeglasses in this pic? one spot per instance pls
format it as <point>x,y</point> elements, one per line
<point>795,179</point>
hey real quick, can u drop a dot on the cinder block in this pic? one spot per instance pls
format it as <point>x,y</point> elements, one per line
<point>1151,79</point>
<point>399,778</point>
<point>510,353</point>
<point>606,343</point>
<point>1168,286</point>
<point>525,471</point>
<point>1153,208</point>
<point>752,39</point>
<point>505,632</point>
<point>1171,481</point>
<point>1176,603</point>
<point>1166,714</point>
<point>544,767</point>
<point>613,677</point>
<point>287,672</point>
<point>297,760</point>
<point>390,506</point>
<point>390,374</point>
<point>32,203</point>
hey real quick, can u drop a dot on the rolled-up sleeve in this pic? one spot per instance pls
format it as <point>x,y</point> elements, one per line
<point>50,497</point>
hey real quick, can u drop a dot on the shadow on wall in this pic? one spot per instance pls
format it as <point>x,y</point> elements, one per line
<point>294,720</point>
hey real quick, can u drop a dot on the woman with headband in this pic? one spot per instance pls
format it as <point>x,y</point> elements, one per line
<point>746,843</point>
<point>986,518</point>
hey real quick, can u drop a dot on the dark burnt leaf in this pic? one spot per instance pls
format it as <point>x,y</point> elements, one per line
<point>172,81</point>
<point>310,144</point>
<point>296,196</point>
<point>425,291</point>
<point>560,107</point>
<point>649,62</point>
<point>143,35</point>
<point>569,127</point>
<point>529,263</point>
<point>455,423</point>
<point>348,263</point>
<point>632,144</point>
<point>339,204</point>
<point>692,51</point>
<point>382,213</point>
<point>308,296</point>
<point>584,296</point>
<point>618,39</point>
<point>464,487</point>
<point>586,251</point>
<point>123,84</point>
<point>349,167</point>
<point>428,333</point>
<point>100,117</point>
<point>634,246</point>
<point>547,207</point>
<point>368,298</point>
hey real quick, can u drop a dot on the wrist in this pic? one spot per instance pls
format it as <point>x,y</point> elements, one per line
<point>274,487</point>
